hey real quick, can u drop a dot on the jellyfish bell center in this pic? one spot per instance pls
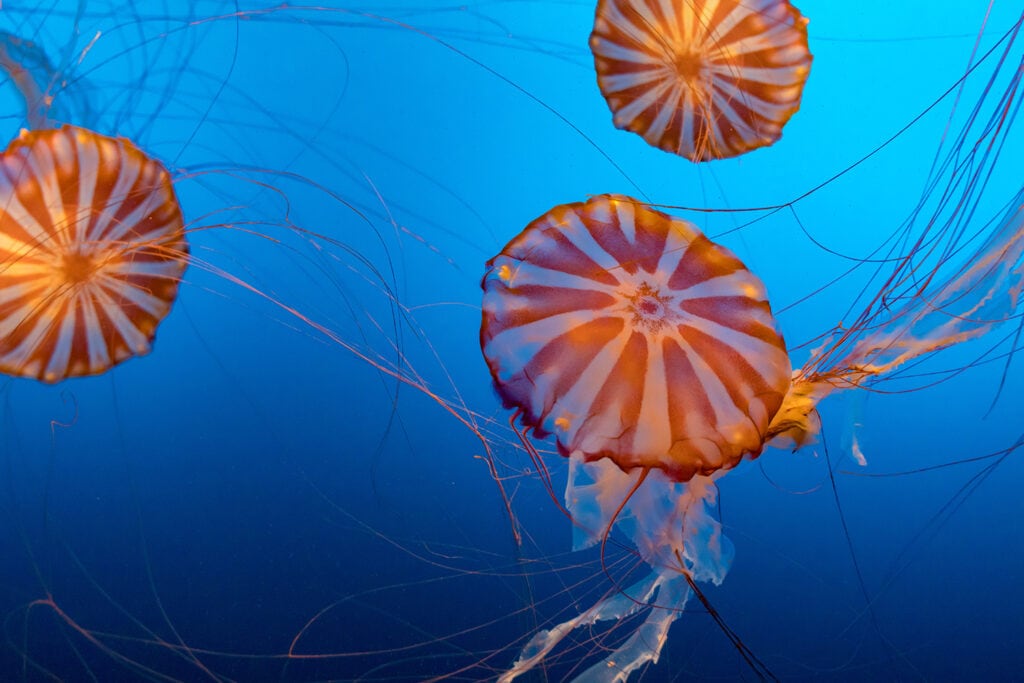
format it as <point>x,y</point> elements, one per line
<point>78,267</point>
<point>688,65</point>
<point>649,308</point>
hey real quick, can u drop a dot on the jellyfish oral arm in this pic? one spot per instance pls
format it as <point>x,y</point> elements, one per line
<point>672,592</point>
<point>665,520</point>
<point>981,294</point>
<point>670,524</point>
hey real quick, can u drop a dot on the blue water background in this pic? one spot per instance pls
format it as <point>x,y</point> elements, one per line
<point>253,471</point>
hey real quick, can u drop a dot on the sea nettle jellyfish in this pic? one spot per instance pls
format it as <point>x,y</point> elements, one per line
<point>92,247</point>
<point>704,80</point>
<point>651,354</point>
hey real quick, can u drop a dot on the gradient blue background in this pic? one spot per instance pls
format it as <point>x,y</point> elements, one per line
<point>251,471</point>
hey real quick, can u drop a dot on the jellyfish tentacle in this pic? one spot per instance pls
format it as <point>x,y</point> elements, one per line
<point>983,292</point>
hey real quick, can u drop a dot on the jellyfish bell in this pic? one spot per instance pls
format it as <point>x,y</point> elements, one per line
<point>704,80</point>
<point>93,251</point>
<point>631,336</point>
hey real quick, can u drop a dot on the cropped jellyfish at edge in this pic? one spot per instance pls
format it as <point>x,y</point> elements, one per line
<point>652,355</point>
<point>92,251</point>
<point>704,80</point>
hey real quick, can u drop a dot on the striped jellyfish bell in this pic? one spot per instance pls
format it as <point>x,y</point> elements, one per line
<point>629,335</point>
<point>92,248</point>
<point>705,79</point>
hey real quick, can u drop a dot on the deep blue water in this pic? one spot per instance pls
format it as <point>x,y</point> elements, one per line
<point>187,515</point>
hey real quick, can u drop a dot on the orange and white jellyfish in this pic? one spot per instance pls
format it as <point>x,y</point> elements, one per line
<point>92,248</point>
<point>652,355</point>
<point>704,80</point>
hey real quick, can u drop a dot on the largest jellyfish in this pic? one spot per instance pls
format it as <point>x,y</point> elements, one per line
<point>652,356</point>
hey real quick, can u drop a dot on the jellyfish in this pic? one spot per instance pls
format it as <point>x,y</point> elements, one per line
<point>651,354</point>
<point>704,80</point>
<point>93,235</point>
<point>93,250</point>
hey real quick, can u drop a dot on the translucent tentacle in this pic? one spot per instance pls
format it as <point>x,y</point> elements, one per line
<point>665,520</point>
<point>984,292</point>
